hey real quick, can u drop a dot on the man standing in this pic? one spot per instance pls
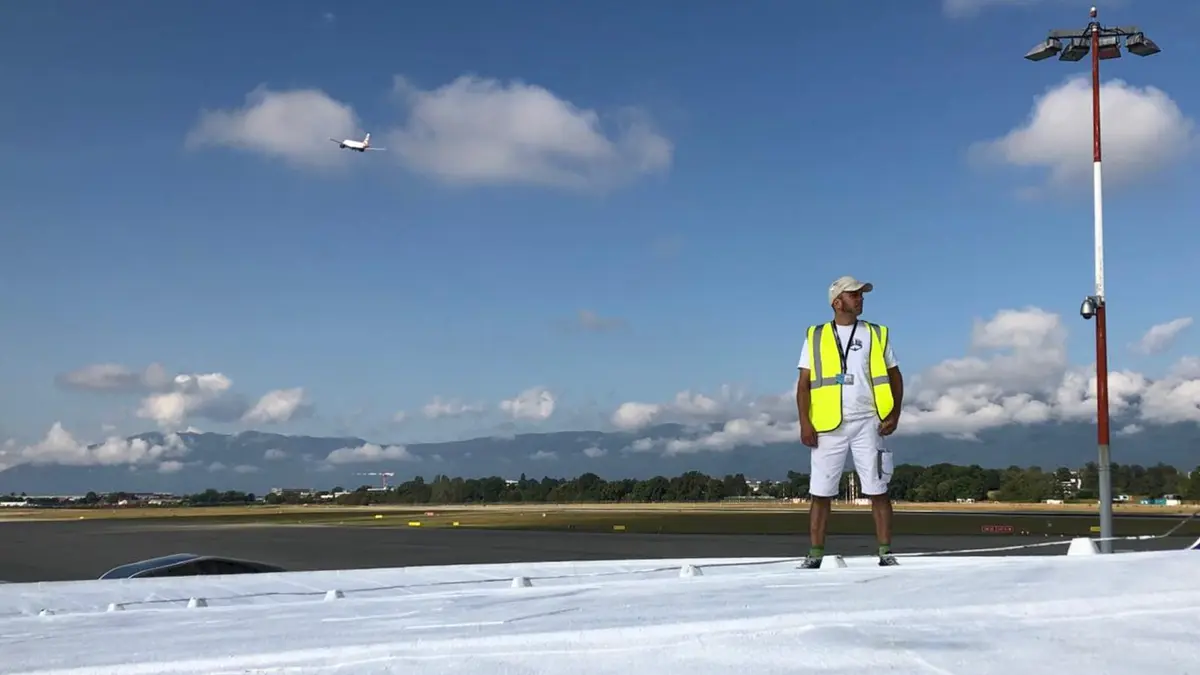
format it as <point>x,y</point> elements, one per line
<point>848,397</point>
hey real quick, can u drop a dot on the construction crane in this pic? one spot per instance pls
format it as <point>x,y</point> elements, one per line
<point>383,476</point>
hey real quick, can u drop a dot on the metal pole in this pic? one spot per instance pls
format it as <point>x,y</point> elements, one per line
<point>1105,473</point>
<point>1096,306</point>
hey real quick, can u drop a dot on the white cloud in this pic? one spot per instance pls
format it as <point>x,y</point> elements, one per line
<point>482,131</point>
<point>1188,368</point>
<point>536,403</point>
<point>1130,430</point>
<point>1036,344</point>
<point>470,131</point>
<point>438,408</point>
<point>1143,131</point>
<point>688,407</point>
<point>594,452</point>
<point>170,466</point>
<point>191,395</point>
<point>277,406</point>
<point>635,414</point>
<point>1024,377</point>
<point>1018,374</point>
<point>369,452</point>
<point>1160,337</point>
<point>171,401</point>
<point>294,126</point>
<point>115,377</point>
<point>757,430</point>
<point>59,446</point>
<point>1174,398</point>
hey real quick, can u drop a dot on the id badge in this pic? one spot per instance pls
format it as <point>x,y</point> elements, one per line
<point>847,379</point>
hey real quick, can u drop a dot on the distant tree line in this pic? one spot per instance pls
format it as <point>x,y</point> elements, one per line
<point>209,497</point>
<point>910,482</point>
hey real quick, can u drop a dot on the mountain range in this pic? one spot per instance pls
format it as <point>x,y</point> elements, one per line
<point>255,461</point>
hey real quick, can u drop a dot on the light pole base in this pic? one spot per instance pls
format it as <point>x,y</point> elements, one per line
<point>1106,500</point>
<point>1082,546</point>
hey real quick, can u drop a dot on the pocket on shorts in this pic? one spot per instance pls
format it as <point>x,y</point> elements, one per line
<point>885,463</point>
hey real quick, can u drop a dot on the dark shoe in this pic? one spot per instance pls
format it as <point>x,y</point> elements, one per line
<point>887,560</point>
<point>810,563</point>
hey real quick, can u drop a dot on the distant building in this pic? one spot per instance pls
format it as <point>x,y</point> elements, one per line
<point>156,498</point>
<point>300,493</point>
<point>1071,486</point>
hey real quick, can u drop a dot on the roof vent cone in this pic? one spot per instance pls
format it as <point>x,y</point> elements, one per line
<point>690,571</point>
<point>197,602</point>
<point>115,607</point>
<point>334,595</point>
<point>837,560</point>
<point>1083,546</point>
<point>521,582</point>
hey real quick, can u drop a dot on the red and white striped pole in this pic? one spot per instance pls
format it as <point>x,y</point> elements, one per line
<point>1102,421</point>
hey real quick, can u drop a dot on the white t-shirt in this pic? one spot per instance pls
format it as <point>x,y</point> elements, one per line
<point>857,399</point>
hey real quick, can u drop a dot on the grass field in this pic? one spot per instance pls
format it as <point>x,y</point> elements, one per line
<point>723,518</point>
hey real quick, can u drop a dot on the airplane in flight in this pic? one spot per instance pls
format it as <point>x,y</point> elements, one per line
<point>360,146</point>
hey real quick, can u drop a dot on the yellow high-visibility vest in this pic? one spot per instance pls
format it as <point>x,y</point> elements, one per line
<point>825,401</point>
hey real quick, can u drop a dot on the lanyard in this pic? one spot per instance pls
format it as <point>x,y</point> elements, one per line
<point>842,351</point>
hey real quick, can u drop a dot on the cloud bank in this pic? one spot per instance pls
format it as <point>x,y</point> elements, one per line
<point>470,131</point>
<point>1017,373</point>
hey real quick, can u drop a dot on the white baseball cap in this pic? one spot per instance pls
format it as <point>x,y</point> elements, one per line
<point>848,283</point>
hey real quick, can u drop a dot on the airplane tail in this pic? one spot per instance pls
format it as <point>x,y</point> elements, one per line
<point>367,140</point>
<point>1195,546</point>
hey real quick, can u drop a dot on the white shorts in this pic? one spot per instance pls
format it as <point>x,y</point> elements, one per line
<point>872,461</point>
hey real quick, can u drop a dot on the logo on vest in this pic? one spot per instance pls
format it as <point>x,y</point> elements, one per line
<point>856,344</point>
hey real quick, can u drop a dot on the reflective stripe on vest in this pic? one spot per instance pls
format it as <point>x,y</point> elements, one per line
<point>825,399</point>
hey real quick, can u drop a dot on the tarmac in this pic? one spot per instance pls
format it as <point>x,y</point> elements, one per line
<point>78,550</point>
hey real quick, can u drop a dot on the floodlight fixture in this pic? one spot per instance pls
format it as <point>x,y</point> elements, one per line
<point>1044,50</point>
<point>1075,51</point>
<point>1140,45</point>
<point>1109,47</point>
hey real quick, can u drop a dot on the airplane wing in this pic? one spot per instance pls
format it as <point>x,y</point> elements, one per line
<point>335,140</point>
<point>374,148</point>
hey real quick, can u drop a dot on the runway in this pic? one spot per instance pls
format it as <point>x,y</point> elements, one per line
<point>73,550</point>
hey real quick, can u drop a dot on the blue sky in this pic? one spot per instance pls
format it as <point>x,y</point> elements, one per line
<point>759,168</point>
